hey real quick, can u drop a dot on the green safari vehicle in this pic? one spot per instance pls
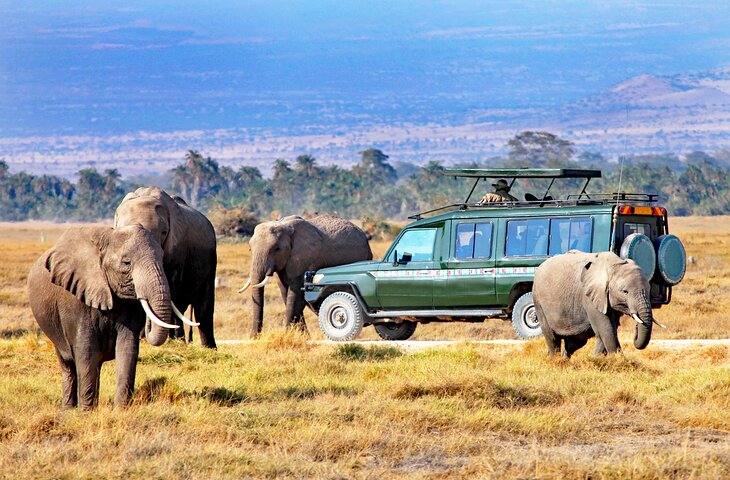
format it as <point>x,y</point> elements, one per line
<point>473,261</point>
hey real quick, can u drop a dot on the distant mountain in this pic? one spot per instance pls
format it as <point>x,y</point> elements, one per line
<point>643,114</point>
<point>662,92</point>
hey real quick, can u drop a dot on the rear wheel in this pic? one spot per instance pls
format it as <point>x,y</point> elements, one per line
<point>396,331</point>
<point>341,317</point>
<point>524,317</point>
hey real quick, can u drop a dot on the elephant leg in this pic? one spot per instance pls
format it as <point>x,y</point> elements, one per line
<point>178,333</point>
<point>69,384</point>
<point>572,344</point>
<point>203,311</point>
<point>599,349</point>
<point>552,341</point>
<point>606,329</point>
<point>295,307</point>
<point>88,369</point>
<point>126,353</point>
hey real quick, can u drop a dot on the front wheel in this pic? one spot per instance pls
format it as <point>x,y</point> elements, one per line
<point>396,331</point>
<point>341,317</point>
<point>524,317</point>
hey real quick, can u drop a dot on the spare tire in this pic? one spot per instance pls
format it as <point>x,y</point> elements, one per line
<point>671,259</point>
<point>638,247</point>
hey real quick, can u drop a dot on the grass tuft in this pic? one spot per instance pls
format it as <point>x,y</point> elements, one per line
<point>223,396</point>
<point>282,339</point>
<point>157,389</point>
<point>353,352</point>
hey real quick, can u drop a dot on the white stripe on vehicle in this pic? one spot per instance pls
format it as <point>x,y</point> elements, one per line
<point>453,272</point>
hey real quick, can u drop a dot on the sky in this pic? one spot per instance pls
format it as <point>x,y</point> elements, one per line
<point>104,68</point>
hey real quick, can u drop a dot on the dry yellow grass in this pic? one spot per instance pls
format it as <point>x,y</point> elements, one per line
<point>697,310</point>
<point>282,407</point>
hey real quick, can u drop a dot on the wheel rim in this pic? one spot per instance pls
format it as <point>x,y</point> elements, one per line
<point>529,318</point>
<point>337,317</point>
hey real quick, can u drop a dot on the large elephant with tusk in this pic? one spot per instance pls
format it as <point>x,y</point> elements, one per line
<point>581,295</point>
<point>291,246</point>
<point>189,256</point>
<point>90,295</point>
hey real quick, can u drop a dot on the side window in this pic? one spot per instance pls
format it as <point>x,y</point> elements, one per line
<point>418,242</point>
<point>527,238</point>
<point>570,234</point>
<point>641,228</point>
<point>473,241</point>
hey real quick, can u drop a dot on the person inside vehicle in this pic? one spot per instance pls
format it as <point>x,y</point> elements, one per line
<point>465,244</point>
<point>500,194</point>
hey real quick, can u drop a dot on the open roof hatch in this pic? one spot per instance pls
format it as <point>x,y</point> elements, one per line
<point>515,173</point>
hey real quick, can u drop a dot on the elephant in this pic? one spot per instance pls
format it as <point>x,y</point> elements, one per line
<point>90,294</point>
<point>291,246</point>
<point>188,245</point>
<point>581,295</point>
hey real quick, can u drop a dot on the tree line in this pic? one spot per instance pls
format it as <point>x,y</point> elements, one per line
<point>374,187</point>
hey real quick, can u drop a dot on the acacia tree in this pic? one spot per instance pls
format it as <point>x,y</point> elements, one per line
<point>540,149</point>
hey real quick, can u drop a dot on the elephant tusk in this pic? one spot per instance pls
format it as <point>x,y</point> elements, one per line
<point>263,283</point>
<point>661,325</point>
<point>245,286</point>
<point>153,317</point>
<point>182,317</point>
<point>636,317</point>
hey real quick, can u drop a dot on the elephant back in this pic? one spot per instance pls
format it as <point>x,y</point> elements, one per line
<point>341,234</point>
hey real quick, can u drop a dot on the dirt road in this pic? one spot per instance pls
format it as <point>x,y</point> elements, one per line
<point>415,345</point>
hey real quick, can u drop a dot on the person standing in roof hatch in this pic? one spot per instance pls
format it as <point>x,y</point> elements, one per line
<point>500,194</point>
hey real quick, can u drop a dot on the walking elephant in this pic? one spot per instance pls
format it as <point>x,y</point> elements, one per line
<point>188,244</point>
<point>580,295</point>
<point>291,246</point>
<point>90,294</point>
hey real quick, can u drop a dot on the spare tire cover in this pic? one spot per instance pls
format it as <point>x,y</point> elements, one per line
<point>639,248</point>
<point>671,259</point>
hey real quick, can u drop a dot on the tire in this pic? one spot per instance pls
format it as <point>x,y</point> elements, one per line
<point>396,331</point>
<point>671,259</point>
<point>341,317</point>
<point>639,248</point>
<point>524,317</point>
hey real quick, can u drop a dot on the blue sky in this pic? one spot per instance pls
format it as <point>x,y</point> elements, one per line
<point>116,67</point>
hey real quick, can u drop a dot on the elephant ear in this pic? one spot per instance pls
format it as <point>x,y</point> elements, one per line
<point>75,264</point>
<point>306,245</point>
<point>168,210</point>
<point>594,278</point>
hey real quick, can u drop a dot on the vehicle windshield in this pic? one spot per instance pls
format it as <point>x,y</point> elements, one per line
<point>418,243</point>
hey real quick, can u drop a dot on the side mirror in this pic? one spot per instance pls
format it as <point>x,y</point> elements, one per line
<point>407,257</point>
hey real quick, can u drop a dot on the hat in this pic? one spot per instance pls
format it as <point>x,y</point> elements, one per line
<point>501,184</point>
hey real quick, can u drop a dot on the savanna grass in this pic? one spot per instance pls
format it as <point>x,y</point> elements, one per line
<point>283,407</point>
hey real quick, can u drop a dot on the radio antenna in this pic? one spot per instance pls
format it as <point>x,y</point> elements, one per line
<point>623,157</point>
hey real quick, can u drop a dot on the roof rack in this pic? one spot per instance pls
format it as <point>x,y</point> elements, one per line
<point>515,173</point>
<point>582,198</point>
<point>572,201</point>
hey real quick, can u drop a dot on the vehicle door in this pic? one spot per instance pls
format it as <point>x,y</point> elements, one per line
<point>405,279</point>
<point>470,276</point>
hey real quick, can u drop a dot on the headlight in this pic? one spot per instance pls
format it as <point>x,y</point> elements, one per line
<point>317,278</point>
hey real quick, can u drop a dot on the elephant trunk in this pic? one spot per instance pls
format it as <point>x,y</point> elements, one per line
<point>260,272</point>
<point>643,331</point>
<point>151,286</point>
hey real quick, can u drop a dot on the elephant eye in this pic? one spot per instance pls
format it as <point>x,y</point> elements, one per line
<point>126,261</point>
<point>625,291</point>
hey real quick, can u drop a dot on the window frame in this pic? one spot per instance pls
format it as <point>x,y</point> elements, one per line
<point>571,218</point>
<point>474,224</point>
<point>549,233</point>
